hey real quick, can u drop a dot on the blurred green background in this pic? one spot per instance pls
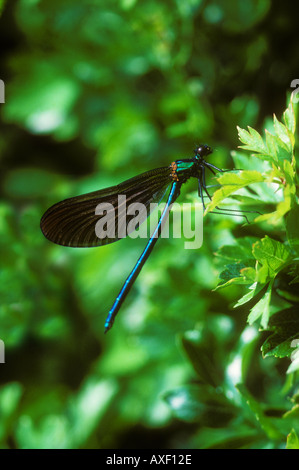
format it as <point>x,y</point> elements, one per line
<point>96,92</point>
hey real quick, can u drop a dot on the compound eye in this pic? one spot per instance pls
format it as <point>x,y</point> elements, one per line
<point>203,150</point>
<point>199,150</point>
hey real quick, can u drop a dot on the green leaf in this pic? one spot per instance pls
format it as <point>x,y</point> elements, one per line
<point>238,273</point>
<point>271,253</point>
<point>271,142</point>
<point>252,140</point>
<point>294,356</point>
<point>232,437</point>
<point>285,325</point>
<point>237,252</point>
<point>200,358</point>
<point>249,161</point>
<point>294,412</point>
<point>282,132</point>
<point>292,440</point>
<point>287,318</point>
<point>200,403</point>
<point>292,228</point>
<point>266,423</point>
<point>2,3</point>
<point>277,345</point>
<point>254,289</point>
<point>261,309</point>
<point>277,147</point>
<point>245,200</point>
<point>283,150</point>
<point>290,119</point>
<point>232,182</point>
<point>10,397</point>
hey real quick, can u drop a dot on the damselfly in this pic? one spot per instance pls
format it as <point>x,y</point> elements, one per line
<point>73,222</point>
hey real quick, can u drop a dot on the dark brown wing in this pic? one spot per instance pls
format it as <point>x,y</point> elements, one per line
<point>73,222</point>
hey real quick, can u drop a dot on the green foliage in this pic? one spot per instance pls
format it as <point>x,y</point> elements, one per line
<point>292,441</point>
<point>268,267</point>
<point>97,92</point>
<point>261,265</point>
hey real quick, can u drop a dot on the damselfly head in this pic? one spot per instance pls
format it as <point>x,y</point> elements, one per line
<point>202,151</point>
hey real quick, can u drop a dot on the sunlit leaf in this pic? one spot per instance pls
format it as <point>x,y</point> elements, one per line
<point>289,118</point>
<point>292,226</point>
<point>271,253</point>
<point>252,140</point>
<point>232,182</point>
<point>282,132</point>
<point>261,309</point>
<point>292,440</point>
